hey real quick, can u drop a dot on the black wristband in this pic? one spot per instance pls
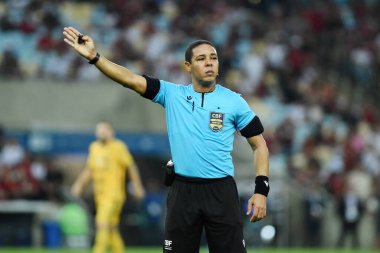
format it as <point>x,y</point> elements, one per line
<point>95,59</point>
<point>262,185</point>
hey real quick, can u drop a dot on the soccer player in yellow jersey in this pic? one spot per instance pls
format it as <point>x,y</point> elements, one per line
<point>108,162</point>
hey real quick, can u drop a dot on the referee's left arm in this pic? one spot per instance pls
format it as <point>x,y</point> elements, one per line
<point>261,162</point>
<point>260,149</point>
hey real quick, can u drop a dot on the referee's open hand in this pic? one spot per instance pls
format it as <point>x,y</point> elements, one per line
<point>83,44</point>
<point>258,203</point>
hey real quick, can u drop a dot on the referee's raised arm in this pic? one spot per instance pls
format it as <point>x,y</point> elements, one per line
<point>85,46</point>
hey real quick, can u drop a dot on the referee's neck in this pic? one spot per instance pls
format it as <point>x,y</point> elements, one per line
<point>203,88</point>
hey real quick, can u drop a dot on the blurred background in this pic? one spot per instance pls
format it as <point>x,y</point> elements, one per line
<point>309,69</point>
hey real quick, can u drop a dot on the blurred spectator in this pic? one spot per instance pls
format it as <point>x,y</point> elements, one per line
<point>377,213</point>
<point>51,15</point>
<point>12,153</point>
<point>285,135</point>
<point>53,185</point>
<point>6,24</point>
<point>362,60</point>
<point>2,138</point>
<point>336,184</point>
<point>58,63</point>
<point>9,66</point>
<point>46,42</point>
<point>314,205</point>
<point>38,169</point>
<point>360,182</point>
<point>350,211</point>
<point>253,66</point>
<point>28,25</point>
<point>18,183</point>
<point>22,177</point>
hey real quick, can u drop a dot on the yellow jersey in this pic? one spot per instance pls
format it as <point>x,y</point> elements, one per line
<point>108,163</point>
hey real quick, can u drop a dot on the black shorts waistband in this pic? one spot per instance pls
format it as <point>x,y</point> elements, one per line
<point>200,180</point>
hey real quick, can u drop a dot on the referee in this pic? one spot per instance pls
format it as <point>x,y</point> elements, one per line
<point>201,119</point>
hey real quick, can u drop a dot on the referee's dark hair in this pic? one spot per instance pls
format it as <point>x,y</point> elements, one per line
<point>192,45</point>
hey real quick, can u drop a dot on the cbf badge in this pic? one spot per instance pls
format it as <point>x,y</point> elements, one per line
<point>216,121</point>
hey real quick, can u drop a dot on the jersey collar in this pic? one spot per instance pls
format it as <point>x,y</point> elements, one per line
<point>194,91</point>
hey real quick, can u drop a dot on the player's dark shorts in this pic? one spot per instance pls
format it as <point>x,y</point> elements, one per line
<point>196,203</point>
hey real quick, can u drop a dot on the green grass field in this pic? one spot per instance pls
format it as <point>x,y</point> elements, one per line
<point>158,250</point>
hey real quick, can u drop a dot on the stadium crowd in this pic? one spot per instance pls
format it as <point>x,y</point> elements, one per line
<point>27,176</point>
<point>309,67</point>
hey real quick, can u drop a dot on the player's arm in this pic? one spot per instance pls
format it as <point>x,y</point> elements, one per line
<point>114,71</point>
<point>261,163</point>
<point>134,175</point>
<point>82,180</point>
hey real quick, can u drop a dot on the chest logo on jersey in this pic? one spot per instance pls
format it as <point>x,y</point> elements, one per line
<point>216,121</point>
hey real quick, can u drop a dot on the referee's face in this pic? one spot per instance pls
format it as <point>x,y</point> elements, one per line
<point>204,65</point>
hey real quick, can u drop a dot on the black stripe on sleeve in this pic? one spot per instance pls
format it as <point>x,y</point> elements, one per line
<point>253,128</point>
<point>152,87</point>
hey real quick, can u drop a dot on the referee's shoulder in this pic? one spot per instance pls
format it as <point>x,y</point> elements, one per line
<point>230,93</point>
<point>172,85</point>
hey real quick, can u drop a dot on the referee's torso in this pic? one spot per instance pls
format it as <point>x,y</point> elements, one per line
<point>201,127</point>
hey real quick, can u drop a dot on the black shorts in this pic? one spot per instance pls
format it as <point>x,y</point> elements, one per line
<point>196,203</point>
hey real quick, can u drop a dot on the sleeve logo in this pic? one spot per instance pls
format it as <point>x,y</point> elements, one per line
<point>216,121</point>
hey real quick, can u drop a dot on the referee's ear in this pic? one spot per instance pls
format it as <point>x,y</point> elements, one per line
<point>187,66</point>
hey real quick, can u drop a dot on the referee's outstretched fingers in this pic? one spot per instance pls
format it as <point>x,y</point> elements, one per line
<point>83,44</point>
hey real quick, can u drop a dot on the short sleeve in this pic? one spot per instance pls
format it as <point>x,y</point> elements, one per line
<point>244,114</point>
<point>160,98</point>
<point>158,90</point>
<point>167,90</point>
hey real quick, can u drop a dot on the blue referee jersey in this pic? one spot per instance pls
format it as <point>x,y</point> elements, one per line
<point>201,126</point>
